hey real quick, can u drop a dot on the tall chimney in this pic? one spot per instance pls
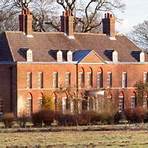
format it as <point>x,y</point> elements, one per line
<point>25,21</point>
<point>109,25</point>
<point>67,23</point>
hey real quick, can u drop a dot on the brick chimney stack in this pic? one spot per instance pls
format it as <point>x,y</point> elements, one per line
<point>67,23</point>
<point>109,25</point>
<point>25,21</point>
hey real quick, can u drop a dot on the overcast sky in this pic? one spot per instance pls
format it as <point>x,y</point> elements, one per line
<point>136,12</point>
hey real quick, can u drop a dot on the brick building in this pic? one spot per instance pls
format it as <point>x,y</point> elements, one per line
<point>106,65</point>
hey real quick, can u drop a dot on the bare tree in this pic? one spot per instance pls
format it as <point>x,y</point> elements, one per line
<point>46,13</point>
<point>139,35</point>
<point>91,11</point>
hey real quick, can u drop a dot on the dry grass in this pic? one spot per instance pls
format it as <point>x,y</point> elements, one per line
<point>81,139</point>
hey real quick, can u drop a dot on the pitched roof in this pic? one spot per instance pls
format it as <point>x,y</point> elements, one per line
<point>42,43</point>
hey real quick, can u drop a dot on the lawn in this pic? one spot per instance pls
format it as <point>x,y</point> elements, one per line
<point>76,139</point>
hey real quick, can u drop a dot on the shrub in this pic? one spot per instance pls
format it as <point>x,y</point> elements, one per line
<point>135,115</point>
<point>138,114</point>
<point>37,118</point>
<point>65,119</point>
<point>117,117</point>
<point>88,117</point>
<point>106,118</point>
<point>22,120</point>
<point>47,116</point>
<point>8,119</point>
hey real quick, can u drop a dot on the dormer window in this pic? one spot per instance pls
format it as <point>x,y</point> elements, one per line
<point>142,57</point>
<point>59,56</point>
<point>115,56</point>
<point>69,56</point>
<point>29,55</point>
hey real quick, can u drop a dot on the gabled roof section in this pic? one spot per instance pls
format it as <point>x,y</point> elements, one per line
<point>80,54</point>
<point>87,56</point>
<point>43,42</point>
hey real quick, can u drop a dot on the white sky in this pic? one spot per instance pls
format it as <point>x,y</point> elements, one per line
<point>136,12</point>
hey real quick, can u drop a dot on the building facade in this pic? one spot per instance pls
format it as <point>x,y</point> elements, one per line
<point>76,69</point>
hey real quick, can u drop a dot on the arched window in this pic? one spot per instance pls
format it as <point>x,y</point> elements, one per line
<point>91,103</point>
<point>90,77</point>
<point>40,101</point>
<point>133,101</point>
<point>84,104</point>
<point>81,78</point>
<point>68,104</point>
<point>29,104</point>
<point>100,78</point>
<point>145,102</point>
<point>121,102</point>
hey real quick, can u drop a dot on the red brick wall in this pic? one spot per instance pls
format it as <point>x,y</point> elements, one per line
<point>47,70</point>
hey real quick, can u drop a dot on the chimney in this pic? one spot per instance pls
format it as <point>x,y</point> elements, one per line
<point>25,21</point>
<point>109,25</point>
<point>67,23</point>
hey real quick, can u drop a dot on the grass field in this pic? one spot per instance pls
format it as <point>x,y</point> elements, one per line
<point>73,139</point>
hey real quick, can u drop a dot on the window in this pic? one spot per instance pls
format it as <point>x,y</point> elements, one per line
<point>29,55</point>
<point>133,102</point>
<point>145,102</point>
<point>81,79</point>
<point>40,101</point>
<point>67,79</point>
<point>59,56</point>
<point>99,80</point>
<point>121,104</point>
<point>63,104</point>
<point>89,79</point>
<point>55,80</point>
<point>1,106</point>
<point>109,79</point>
<point>145,77</point>
<point>29,80</point>
<point>67,104</point>
<point>29,106</point>
<point>124,79</point>
<point>40,80</point>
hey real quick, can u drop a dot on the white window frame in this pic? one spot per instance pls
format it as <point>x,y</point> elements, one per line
<point>89,79</point>
<point>99,80</point>
<point>80,79</point>
<point>67,79</point>
<point>29,80</point>
<point>55,79</point>
<point>124,80</point>
<point>121,104</point>
<point>109,79</point>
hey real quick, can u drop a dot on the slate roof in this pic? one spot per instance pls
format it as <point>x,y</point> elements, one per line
<point>45,44</point>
